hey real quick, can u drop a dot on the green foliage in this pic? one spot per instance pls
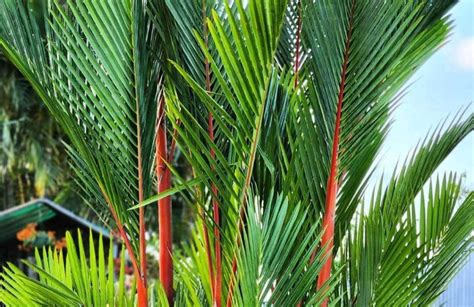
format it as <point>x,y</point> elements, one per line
<point>389,40</point>
<point>275,245</point>
<point>401,250</point>
<point>76,279</point>
<point>249,85</point>
<point>97,77</point>
<point>100,67</point>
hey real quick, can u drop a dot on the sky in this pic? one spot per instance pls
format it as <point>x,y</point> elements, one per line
<point>441,87</point>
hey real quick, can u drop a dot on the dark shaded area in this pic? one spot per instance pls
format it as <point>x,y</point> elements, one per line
<point>49,217</point>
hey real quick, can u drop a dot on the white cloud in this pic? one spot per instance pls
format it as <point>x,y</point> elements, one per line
<point>464,53</point>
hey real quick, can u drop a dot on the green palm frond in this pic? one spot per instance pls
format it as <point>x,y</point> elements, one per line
<point>400,248</point>
<point>275,244</point>
<point>452,245</point>
<point>290,40</point>
<point>194,264</point>
<point>249,82</point>
<point>77,279</point>
<point>404,187</point>
<point>385,43</point>
<point>278,108</point>
<point>95,71</point>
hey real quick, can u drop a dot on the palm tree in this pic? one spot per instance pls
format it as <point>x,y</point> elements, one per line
<point>280,107</point>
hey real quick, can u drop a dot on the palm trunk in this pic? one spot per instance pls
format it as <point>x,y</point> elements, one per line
<point>164,206</point>
<point>142,293</point>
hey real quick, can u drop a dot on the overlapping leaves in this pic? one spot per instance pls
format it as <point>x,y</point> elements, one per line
<point>77,279</point>
<point>403,251</point>
<point>92,63</point>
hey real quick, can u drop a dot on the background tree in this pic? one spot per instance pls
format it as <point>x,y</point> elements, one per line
<point>32,163</point>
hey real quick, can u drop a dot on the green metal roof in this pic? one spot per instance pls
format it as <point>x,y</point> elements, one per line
<point>40,210</point>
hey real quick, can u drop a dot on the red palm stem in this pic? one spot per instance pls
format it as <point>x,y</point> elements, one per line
<point>164,206</point>
<point>217,284</point>
<point>141,287</point>
<point>217,236</point>
<point>327,240</point>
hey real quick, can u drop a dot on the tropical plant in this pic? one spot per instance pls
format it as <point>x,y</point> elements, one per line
<point>75,279</point>
<point>280,107</point>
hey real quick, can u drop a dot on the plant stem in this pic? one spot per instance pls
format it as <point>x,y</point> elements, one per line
<point>243,199</point>
<point>141,211</point>
<point>217,236</point>
<point>141,287</point>
<point>207,244</point>
<point>164,206</point>
<point>297,64</point>
<point>231,282</point>
<point>217,283</point>
<point>297,47</point>
<point>327,240</point>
